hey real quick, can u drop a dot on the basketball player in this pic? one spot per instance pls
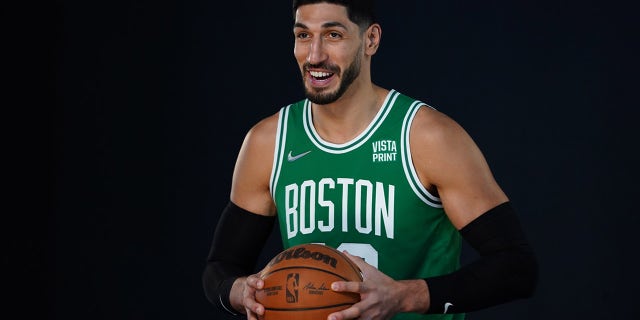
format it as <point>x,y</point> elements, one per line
<point>384,177</point>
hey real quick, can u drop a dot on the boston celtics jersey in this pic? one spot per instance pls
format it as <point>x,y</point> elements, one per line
<point>363,196</point>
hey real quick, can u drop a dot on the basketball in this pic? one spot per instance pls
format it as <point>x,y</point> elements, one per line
<point>297,283</point>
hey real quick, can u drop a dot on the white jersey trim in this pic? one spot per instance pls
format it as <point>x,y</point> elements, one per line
<point>278,152</point>
<point>407,161</point>
<point>356,142</point>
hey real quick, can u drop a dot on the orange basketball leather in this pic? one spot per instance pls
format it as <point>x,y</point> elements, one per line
<point>297,283</point>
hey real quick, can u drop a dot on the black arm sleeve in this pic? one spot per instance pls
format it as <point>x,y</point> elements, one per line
<point>237,242</point>
<point>506,270</point>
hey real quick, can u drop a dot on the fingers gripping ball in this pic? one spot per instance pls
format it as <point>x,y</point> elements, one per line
<point>297,283</point>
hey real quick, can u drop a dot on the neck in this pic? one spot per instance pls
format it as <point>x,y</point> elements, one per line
<point>344,119</point>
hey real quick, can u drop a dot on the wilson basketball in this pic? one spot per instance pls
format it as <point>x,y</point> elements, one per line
<point>297,283</point>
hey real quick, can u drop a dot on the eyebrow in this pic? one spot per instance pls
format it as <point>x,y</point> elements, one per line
<point>324,25</point>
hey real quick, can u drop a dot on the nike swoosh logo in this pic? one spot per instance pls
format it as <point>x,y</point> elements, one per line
<point>446,306</point>
<point>296,157</point>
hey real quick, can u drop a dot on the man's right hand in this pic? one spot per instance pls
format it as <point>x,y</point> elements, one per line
<point>243,296</point>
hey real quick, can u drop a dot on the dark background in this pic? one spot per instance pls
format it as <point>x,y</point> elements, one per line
<point>153,98</point>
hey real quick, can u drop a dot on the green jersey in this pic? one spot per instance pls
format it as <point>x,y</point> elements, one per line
<point>363,196</point>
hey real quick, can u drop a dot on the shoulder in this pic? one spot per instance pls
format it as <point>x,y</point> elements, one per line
<point>450,163</point>
<point>263,131</point>
<point>259,142</point>
<point>435,128</point>
<point>267,128</point>
<point>440,146</point>
<point>250,183</point>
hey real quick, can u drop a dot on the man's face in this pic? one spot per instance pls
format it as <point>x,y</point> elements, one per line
<point>328,48</point>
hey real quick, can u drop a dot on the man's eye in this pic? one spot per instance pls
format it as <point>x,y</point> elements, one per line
<point>302,35</point>
<point>334,35</point>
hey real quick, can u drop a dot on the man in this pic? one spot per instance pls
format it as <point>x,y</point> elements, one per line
<point>389,180</point>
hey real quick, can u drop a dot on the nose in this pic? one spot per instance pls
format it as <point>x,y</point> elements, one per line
<point>316,54</point>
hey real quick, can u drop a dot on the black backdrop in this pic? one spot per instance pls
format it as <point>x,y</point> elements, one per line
<point>153,99</point>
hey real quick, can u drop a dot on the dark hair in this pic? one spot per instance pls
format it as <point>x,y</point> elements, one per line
<point>360,12</point>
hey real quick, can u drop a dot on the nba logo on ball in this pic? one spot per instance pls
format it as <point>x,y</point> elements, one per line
<point>297,281</point>
<point>293,280</point>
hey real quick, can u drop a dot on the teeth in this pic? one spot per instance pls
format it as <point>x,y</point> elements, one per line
<point>318,74</point>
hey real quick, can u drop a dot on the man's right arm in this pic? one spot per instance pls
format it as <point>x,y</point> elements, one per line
<point>250,184</point>
<point>233,255</point>
<point>246,221</point>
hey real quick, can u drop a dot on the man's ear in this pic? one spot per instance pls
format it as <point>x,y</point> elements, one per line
<point>373,35</point>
